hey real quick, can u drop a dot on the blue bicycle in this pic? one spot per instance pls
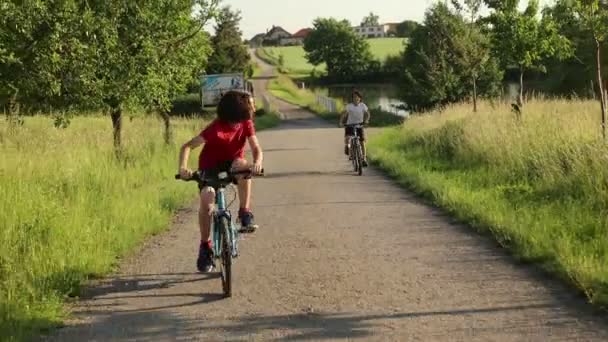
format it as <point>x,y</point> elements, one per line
<point>225,232</point>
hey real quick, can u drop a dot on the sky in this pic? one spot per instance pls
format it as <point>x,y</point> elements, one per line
<point>292,15</point>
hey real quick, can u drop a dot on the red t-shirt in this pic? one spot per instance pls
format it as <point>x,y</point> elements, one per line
<point>224,142</point>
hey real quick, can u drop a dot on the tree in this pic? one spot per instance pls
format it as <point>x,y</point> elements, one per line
<point>371,20</point>
<point>44,55</point>
<point>133,42</point>
<point>473,46</point>
<point>406,28</point>
<point>334,43</point>
<point>523,41</point>
<point>593,16</point>
<point>229,53</point>
<point>442,60</point>
<point>173,75</point>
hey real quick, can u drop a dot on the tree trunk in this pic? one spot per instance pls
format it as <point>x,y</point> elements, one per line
<point>601,86</point>
<point>168,134</point>
<point>116,116</point>
<point>12,111</point>
<point>474,95</point>
<point>520,100</point>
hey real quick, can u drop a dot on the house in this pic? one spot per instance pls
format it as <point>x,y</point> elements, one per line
<point>391,29</point>
<point>275,34</point>
<point>297,38</point>
<point>257,40</point>
<point>375,31</point>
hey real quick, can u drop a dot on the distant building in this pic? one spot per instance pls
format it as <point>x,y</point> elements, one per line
<point>297,38</point>
<point>275,34</point>
<point>391,29</point>
<point>257,40</point>
<point>375,31</point>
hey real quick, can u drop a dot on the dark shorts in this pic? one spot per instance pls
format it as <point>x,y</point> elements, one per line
<point>350,131</point>
<point>214,172</point>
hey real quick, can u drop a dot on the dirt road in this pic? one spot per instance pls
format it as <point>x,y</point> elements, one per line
<point>338,257</point>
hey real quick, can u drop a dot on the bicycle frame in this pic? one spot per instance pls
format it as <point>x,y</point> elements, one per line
<point>222,211</point>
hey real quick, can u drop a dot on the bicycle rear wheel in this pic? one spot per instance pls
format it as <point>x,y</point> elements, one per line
<point>226,256</point>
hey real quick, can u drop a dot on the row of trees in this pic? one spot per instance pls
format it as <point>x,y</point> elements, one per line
<point>457,54</point>
<point>110,55</point>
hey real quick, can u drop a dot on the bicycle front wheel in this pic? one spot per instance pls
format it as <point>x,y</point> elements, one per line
<point>353,153</point>
<point>359,154</point>
<point>226,256</point>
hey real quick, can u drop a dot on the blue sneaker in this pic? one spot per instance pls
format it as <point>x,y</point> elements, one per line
<point>247,224</point>
<point>205,263</point>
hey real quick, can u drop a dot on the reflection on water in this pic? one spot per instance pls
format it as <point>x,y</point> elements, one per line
<point>383,96</point>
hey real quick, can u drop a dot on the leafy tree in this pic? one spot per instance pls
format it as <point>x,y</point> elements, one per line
<point>406,28</point>
<point>134,43</point>
<point>442,60</point>
<point>172,76</point>
<point>229,53</point>
<point>371,20</point>
<point>523,41</point>
<point>473,46</point>
<point>334,43</point>
<point>44,55</point>
<point>593,16</point>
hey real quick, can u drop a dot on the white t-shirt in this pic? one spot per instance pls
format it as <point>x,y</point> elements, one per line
<point>356,113</point>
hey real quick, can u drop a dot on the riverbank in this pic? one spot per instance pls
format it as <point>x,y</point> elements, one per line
<point>284,88</point>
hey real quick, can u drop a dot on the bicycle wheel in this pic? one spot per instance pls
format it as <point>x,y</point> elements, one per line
<point>353,154</point>
<point>226,257</point>
<point>359,160</point>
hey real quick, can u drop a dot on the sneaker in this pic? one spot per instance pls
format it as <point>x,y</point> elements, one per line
<point>247,224</point>
<point>205,263</point>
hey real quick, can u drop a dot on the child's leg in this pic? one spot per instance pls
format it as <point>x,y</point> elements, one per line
<point>207,203</point>
<point>244,187</point>
<point>347,135</point>
<point>244,184</point>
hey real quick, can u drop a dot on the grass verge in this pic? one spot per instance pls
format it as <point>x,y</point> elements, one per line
<point>70,208</point>
<point>66,213</point>
<point>539,185</point>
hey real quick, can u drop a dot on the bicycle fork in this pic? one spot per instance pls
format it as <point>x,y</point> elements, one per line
<point>221,212</point>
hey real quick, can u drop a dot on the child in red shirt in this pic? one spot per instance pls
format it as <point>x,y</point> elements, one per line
<point>224,149</point>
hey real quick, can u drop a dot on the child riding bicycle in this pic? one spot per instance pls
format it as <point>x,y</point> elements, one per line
<point>225,139</point>
<point>355,112</point>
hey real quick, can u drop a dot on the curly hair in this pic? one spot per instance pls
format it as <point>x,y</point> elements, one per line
<point>235,106</point>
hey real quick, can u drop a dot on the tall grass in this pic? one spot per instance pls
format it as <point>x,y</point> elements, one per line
<point>70,207</point>
<point>540,185</point>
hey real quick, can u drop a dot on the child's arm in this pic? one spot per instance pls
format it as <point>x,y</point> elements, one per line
<point>367,116</point>
<point>258,155</point>
<point>343,118</point>
<point>184,155</point>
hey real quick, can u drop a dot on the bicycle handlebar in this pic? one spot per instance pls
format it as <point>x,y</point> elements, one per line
<point>358,125</point>
<point>197,175</point>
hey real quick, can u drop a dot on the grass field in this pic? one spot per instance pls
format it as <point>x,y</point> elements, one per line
<point>69,207</point>
<point>297,66</point>
<point>539,186</point>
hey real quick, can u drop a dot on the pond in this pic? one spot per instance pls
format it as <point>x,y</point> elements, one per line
<point>383,96</point>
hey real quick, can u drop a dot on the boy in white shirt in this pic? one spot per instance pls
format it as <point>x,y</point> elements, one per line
<point>355,113</point>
